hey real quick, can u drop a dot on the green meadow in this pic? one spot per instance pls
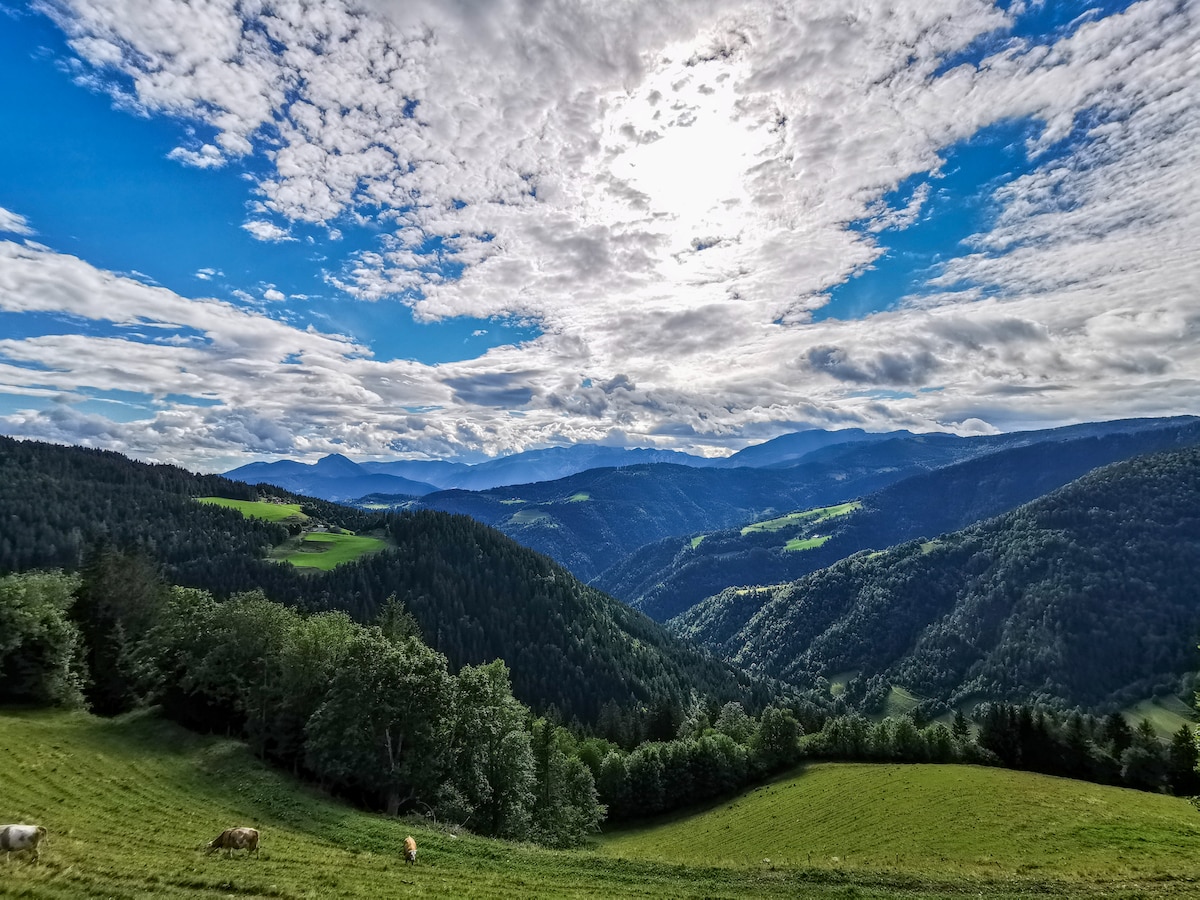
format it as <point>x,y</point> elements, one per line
<point>805,517</point>
<point>806,543</point>
<point>130,802</point>
<point>964,823</point>
<point>260,509</point>
<point>321,550</point>
<point>1166,714</point>
<point>324,550</point>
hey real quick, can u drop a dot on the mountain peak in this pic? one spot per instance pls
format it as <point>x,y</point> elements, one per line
<point>336,466</point>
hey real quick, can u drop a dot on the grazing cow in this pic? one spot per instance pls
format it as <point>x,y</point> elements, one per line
<point>22,837</point>
<point>410,851</point>
<point>235,839</point>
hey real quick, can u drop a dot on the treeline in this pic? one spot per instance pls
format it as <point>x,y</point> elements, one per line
<point>1072,745</point>
<point>704,762</point>
<point>477,595</point>
<point>370,712</point>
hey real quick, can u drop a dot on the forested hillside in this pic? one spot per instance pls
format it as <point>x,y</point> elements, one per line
<point>476,594</point>
<point>591,520</point>
<point>665,579</point>
<point>1086,596</point>
<point>595,519</point>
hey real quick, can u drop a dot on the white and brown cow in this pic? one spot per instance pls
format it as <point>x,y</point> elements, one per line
<point>235,839</point>
<point>15,838</point>
<point>410,851</point>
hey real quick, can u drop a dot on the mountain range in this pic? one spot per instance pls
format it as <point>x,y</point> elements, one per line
<point>663,579</point>
<point>592,521</point>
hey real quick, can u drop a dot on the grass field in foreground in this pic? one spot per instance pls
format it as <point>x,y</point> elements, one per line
<point>961,822</point>
<point>129,802</point>
<point>324,550</point>
<point>272,512</point>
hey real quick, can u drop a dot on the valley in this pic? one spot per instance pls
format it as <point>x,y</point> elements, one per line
<point>829,737</point>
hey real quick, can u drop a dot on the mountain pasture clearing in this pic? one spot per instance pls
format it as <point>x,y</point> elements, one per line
<point>261,509</point>
<point>1166,714</point>
<point>805,517</point>
<point>324,549</point>
<point>810,543</point>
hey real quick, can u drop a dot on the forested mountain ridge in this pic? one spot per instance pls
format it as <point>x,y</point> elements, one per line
<point>666,578</point>
<point>591,521</point>
<point>476,594</point>
<point>1084,597</point>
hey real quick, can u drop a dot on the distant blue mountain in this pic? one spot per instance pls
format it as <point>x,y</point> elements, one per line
<point>336,478</point>
<point>342,480</point>
<point>333,478</point>
<point>553,463</point>
<point>789,449</point>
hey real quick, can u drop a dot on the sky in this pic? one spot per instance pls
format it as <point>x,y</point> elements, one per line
<point>238,230</point>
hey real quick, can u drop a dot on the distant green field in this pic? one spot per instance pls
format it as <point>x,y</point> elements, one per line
<point>129,803</point>
<point>579,498</point>
<point>533,516</point>
<point>322,550</point>
<point>697,539</point>
<point>806,543</point>
<point>839,680</point>
<point>1166,714</point>
<point>259,509</point>
<point>806,517</point>
<point>899,701</point>
<point>941,821</point>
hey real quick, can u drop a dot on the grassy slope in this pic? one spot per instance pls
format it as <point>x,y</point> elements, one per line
<point>805,517</point>
<point>322,550</point>
<point>315,550</point>
<point>961,822</point>
<point>129,802</point>
<point>272,512</point>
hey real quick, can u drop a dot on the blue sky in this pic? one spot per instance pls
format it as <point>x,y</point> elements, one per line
<point>99,184</point>
<point>462,229</point>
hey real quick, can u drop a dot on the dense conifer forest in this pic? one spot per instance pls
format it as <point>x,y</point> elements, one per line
<point>476,594</point>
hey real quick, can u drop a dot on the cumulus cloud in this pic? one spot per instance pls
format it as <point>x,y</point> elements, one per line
<point>205,157</point>
<point>667,188</point>
<point>263,230</point>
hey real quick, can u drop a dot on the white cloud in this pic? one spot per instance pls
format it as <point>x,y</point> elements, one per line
<point>206,157</point>
<point>667,189</point>
<point>273,295</point>
<point>263,230</point>
<point>12,223</point>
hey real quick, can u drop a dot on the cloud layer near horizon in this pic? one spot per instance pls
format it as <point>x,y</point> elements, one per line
<point>670,190</point>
